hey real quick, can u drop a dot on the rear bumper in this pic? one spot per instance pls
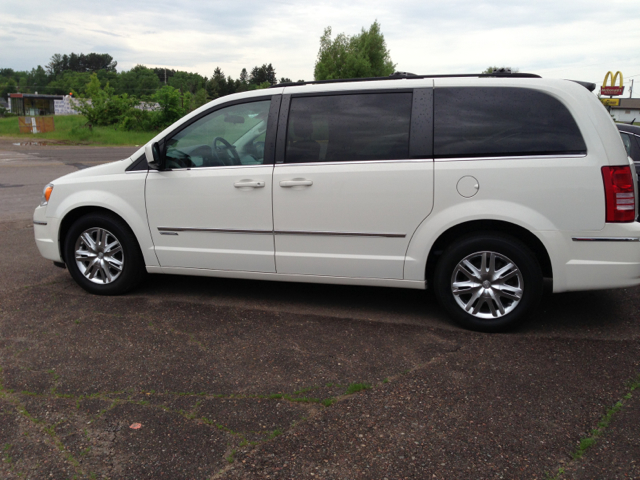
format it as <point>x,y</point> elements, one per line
<point>609,258</point>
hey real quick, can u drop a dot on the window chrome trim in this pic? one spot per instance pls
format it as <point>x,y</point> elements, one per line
<point>511,157</point>
<point>605,239</point>
<point>358,162</point>
<point>424,160</point>
<point>219,167</point>
<point>629,133</point>
<point>174,230</point>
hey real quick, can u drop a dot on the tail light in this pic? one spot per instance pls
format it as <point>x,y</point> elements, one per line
<point>619,194</point>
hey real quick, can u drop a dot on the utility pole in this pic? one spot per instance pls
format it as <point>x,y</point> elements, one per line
<point>631,89</point>
<point>165,75</point>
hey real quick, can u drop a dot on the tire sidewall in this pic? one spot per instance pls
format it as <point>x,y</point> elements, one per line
<point>131,271</point>
<point>505,245</point>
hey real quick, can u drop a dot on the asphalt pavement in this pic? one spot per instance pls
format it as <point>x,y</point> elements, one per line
<point>202,378</point>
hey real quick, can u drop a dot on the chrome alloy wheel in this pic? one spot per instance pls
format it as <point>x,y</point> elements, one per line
<point>487,285</point>
<point>99,255</point>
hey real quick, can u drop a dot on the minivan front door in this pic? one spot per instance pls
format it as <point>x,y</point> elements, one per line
<point>211,209</point>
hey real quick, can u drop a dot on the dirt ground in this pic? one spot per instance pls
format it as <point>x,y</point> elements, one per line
<point>203,378</point>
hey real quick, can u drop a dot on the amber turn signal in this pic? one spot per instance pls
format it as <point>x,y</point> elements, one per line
<point>46,194</point>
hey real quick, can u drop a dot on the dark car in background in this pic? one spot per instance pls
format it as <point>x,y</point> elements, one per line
<point>631,138</point>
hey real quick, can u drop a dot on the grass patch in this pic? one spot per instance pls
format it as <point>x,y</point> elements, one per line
<point>231,457</point>
<point>357,387</point>
<point>71,129</point>
<point>589,441</point>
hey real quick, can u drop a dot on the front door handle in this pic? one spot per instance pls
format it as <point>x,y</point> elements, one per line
<point>248,184</point>
<point>298,182</point>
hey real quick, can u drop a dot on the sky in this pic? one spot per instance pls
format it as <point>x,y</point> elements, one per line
<point>574,39</point>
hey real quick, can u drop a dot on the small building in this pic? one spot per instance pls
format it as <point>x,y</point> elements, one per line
<point>33,104</point>
<point>627,110</point>
<point>65,107</point>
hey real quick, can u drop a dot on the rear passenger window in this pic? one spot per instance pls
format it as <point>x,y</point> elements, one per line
<point>343,128</point>
<point>487,121</point>
<point>626,139</point>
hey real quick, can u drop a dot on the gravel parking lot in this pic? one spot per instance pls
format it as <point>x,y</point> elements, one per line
<point>199,378</point>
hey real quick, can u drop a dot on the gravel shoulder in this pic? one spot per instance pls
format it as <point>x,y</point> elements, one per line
<point>209,378</point>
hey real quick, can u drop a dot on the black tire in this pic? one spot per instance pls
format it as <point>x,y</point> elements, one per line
<point>491,305</point>
<point>116,271</point>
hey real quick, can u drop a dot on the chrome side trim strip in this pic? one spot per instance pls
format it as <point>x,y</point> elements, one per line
<point>513,157</point>
<point>340,234</point>
<point>606,239</point>
<point>39,223</point>
<point>174,230</point>
<point>358,162</point>
<point>164,230</point>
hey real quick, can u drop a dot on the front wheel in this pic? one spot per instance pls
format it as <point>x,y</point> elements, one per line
<point>488,282</point>
<point>102,255</point>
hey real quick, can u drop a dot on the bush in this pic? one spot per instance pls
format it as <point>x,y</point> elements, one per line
<point>101,107</point>
<point>6,113</point>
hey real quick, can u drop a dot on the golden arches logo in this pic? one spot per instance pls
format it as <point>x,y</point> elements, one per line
<point>612,89</point>
<point>613,79</point>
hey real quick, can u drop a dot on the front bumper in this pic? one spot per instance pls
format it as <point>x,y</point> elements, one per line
<point>45,231</point>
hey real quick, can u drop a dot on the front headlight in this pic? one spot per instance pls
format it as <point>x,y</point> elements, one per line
<point>46,194</point>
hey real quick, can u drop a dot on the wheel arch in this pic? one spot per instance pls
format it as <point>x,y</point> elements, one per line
<point>488,226</point>
<point>73,215</point>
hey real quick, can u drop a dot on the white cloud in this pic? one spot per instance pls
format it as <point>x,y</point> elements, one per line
<point>580,39</point>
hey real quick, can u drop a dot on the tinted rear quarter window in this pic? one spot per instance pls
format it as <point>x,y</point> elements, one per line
<point>502,121</point>
<point>342,128</point>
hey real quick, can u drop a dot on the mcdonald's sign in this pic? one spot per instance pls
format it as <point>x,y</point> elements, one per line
<point>612,89</point>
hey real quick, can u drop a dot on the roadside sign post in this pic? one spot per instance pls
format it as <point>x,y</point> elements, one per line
<point>612,90</point>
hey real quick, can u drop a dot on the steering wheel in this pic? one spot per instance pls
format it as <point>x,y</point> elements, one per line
<point>234,157</point>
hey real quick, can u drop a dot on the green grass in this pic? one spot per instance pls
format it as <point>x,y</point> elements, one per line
<point>70,129</point>
<point>357,387</point>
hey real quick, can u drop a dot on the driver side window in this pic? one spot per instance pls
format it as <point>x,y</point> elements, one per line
<point>230,136</point>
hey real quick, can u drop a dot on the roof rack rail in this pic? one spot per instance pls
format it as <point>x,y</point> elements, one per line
<point>407,75</point>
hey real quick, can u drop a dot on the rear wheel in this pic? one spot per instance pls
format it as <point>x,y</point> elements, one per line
<point>103,255</point>
<point>488,282</point>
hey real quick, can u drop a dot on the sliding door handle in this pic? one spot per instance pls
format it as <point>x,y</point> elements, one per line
<point>248,184</point>
<point>297,182</point>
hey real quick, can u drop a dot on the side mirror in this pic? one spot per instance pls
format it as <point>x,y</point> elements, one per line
<point>154,157</point>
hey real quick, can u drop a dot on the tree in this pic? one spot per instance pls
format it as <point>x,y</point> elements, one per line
<point>244,77</point>
<point>171,108</point>
<point>138,81</point>
<point>69,81</point>
<point>265,73</point>
<point>100,106</point>
<point>39,80</point>
<point>500,70</point>
<point>363,55</point>
<point>187,82</point>
<point>91,62</point>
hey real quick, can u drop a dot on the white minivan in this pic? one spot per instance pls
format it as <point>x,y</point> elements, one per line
<point>477,186</point>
